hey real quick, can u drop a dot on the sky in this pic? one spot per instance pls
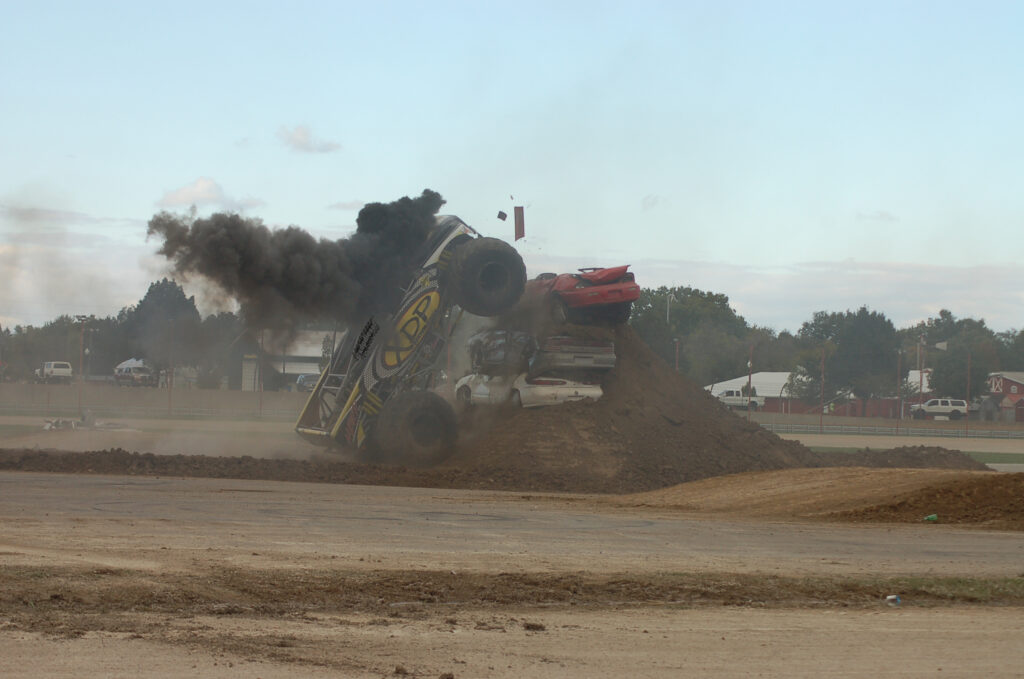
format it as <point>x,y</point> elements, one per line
<point>795,156</point>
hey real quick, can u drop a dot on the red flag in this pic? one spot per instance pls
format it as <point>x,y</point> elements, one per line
<point>520,224</point>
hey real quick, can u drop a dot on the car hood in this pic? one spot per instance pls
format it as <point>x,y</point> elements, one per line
<point>602,276</point>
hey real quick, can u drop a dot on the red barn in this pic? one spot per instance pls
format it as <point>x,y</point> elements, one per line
<point>1009,387</point>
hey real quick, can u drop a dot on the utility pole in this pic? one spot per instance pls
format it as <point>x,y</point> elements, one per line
<point>750,379</point>
<point>899,401</point>
<point>920,372</point>
<point>81,356</point>
<point>821,415</point>
<point>967,415</point>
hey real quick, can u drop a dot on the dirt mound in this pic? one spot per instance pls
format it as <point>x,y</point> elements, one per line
<point>651,429</point>
<point>991,500</point>
<point>907,457</point>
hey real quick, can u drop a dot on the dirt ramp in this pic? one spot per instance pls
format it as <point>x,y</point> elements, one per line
<point>988,500</point>
<point>652,429</point>
<point>794,493</point>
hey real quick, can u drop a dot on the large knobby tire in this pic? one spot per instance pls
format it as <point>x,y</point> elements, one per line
<point>416,428</point>
<point>487,276</point>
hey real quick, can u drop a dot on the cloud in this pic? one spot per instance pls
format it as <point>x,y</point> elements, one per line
<point>301,139</point>
<point>55,261</point>
<point>877,216</point>
<point>346,205</point>
<point>205,192</point>
<point>651,201</point>
<point>46,278</point>
<point>38,216</point>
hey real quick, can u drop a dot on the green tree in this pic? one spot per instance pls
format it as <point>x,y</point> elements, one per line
<point>223,339</point>
<point>714,343</point>
<point>971,342</point>
<point>1011,350</point>
<point>860,351</point>
<point>709,333</point>
<point>164,327</point>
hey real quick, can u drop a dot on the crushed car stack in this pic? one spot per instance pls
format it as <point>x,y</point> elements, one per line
<point>535,358</point>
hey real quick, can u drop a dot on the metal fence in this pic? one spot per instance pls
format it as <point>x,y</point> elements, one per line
<point>108,401</point>
<point>786,428</point>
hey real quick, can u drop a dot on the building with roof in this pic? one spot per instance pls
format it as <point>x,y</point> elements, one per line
<point>1007,392</point>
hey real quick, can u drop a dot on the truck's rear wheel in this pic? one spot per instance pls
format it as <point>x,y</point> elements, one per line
<point>487,276</point>
<point>416,428</point>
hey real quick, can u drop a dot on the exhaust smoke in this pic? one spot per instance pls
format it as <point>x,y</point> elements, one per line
<point>282,277</point>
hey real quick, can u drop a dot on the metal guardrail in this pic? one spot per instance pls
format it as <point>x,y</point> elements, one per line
<point>781,428</point>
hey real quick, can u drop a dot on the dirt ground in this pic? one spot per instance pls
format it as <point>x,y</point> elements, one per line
<point>143,576</point>
<point>652,533</point>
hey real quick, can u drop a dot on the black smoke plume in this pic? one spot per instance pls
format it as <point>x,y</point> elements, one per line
<point>285,276</point>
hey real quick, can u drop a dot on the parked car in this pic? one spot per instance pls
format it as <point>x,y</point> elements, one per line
<point>593,294</point>
<point>528,392</point>
<point>307,382</point>
<point>952,408</point>
<point>134,376</point>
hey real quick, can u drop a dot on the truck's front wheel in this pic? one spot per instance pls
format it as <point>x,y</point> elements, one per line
<point>416,428</point>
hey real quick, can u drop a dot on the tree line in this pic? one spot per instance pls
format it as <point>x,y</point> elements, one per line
<point>164,329</point>
<point>695,331</point>
<point>860,353</point>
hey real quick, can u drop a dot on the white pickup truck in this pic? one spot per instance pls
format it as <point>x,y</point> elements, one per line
<point>735,399</point>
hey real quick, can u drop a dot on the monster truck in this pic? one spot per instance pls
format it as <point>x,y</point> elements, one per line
<point>383,410</point>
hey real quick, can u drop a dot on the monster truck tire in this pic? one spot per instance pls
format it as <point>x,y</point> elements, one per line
<point>487,276</point>
<point>415,428</point>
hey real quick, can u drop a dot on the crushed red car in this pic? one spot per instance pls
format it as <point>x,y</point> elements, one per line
<point>593,294</point>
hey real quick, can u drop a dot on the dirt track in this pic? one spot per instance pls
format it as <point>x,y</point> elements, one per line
<point>127,568</point>
<point>247,578</point>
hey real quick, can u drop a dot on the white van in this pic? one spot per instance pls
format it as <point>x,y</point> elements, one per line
<point>55,371</point>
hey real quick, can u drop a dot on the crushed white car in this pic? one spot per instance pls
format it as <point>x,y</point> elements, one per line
<point>527,392</point>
